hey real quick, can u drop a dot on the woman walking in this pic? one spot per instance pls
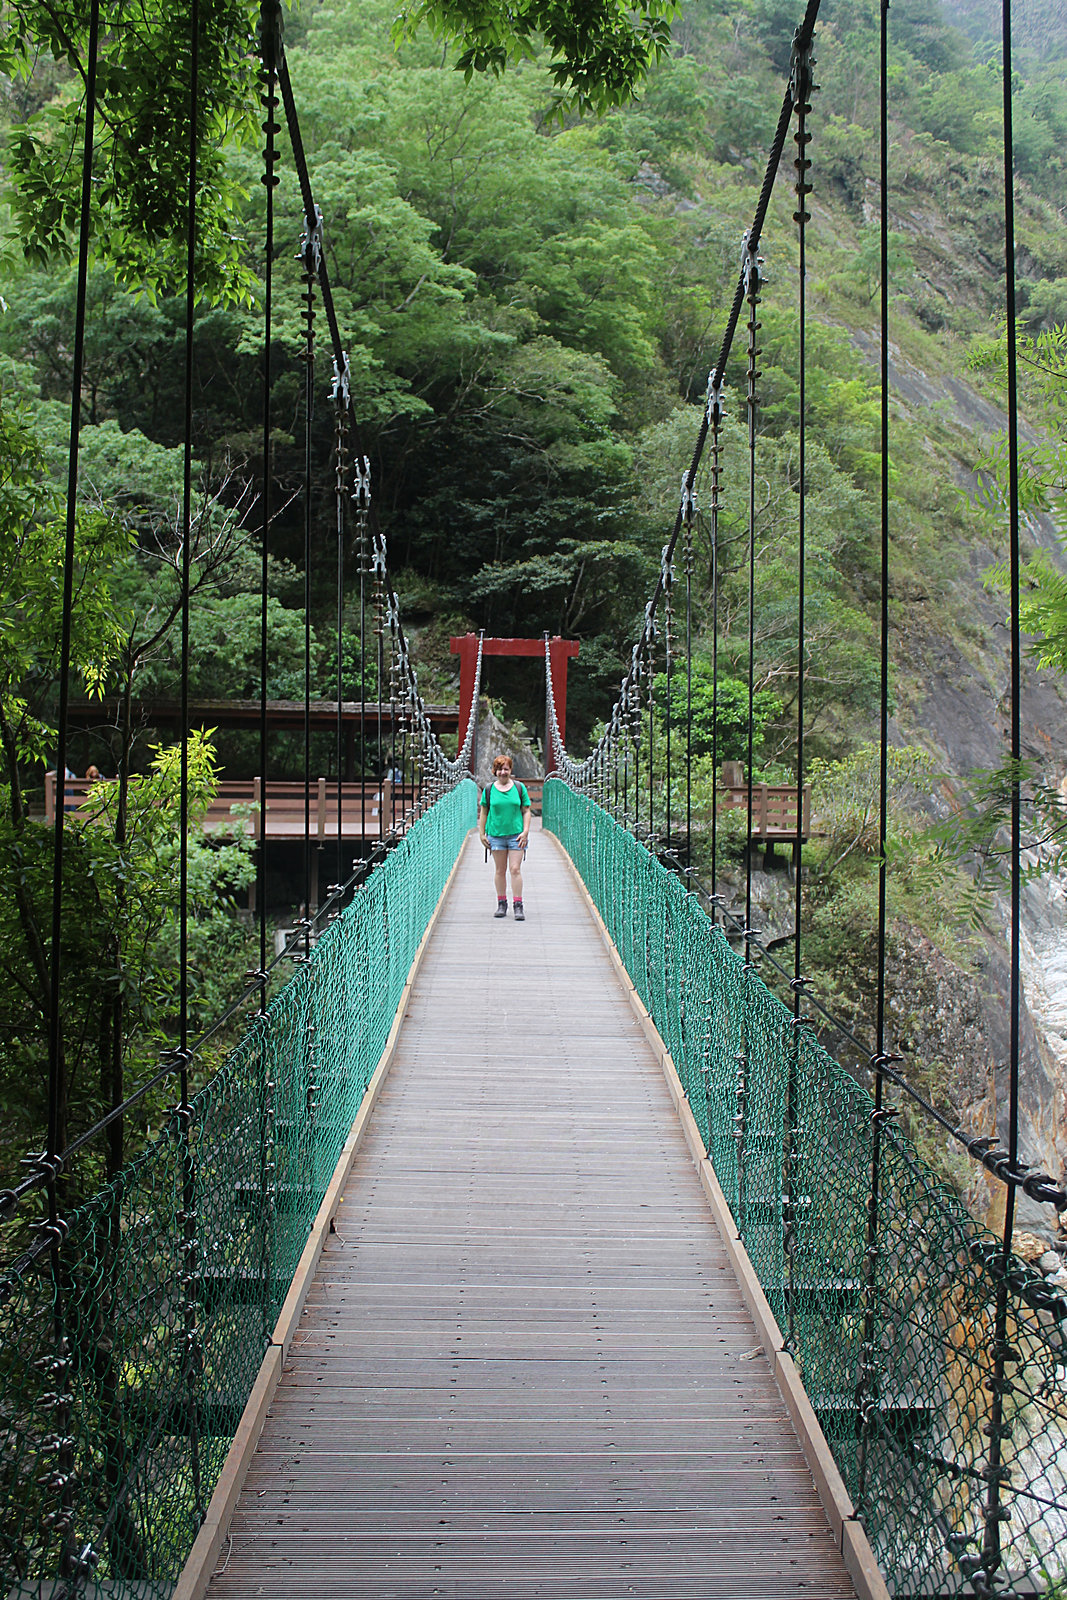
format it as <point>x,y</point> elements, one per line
<point>504,828</point>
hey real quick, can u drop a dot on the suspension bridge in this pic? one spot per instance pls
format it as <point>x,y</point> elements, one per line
<point>544,1259</point>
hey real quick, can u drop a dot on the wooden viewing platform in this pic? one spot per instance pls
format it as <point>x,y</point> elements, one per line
<point>367,810</point>
<point>774,810</point>
<point>524,1366</point>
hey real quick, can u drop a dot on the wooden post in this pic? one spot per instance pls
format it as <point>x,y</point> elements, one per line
<point>466,647</point>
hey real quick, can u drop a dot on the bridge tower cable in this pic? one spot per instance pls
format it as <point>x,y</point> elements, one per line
<point>341,410</point>
<point>191,1365</point>
<point>752,276</point>
<point>668,590</point>
<point>689,514</point>
<point>60,1442</point>
<point>802,87</point>
<point>714,416</point>
<point>867,1382</point>
<point>270,50</point>
<point>310,246</point>
<point>1000,1428</point>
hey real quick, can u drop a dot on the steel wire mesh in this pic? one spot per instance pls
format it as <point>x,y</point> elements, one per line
<point>128,1351</point>
<point>939,1378</point>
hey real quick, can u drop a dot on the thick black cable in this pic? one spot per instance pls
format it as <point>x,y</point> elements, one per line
<point>55,1026</point>
<point>867,1377</point>
<point>190,1252</point>
<point>341,419</point>
<point>688,559</point>
<point>1000,1384</point>
<point>1014,566</point>
<point>668,675</point>
<point>802,90</point>
<point>309,414</point>
<point>716,469</point>
<point>802,42</point>
<point>752,281</point>
<point>186,550</point>
<point>54,1231</point>
<point>310,208</point>
<point>270,21</point>
<point>379,633</point>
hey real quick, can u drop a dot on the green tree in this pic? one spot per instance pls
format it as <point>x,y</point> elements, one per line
<point>599,51</point>
<point>719,711</point>
<point>120,919</point>
<point>138,199</point>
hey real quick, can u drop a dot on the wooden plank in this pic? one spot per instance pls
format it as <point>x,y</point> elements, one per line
<point>525,1366</point>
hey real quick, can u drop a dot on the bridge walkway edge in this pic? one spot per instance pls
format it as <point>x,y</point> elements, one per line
<point>525,1365</point>
<point>840,1513</point>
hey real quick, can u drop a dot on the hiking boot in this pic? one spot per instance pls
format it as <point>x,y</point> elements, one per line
<point>501,909</point>
<point>520,915</point>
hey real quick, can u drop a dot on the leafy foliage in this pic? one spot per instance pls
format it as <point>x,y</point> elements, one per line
<point>142,137</point>
<point>531,307</point>
<point>716,714</point>
<point>600,50</point>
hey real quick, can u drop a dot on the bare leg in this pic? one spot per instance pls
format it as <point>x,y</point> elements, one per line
<point>515,868</point>
<point>500,873</point>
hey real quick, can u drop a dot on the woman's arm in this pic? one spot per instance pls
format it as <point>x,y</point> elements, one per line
<point>524,836</point>
<point>483,818</point>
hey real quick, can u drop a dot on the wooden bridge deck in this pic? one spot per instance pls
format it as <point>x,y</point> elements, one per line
<point>525,1368</point>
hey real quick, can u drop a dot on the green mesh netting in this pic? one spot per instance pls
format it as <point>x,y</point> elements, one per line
<point>939,1381</point>
<point>124,1370</point>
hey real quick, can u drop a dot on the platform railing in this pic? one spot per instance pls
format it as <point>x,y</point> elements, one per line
<point>366,809</point>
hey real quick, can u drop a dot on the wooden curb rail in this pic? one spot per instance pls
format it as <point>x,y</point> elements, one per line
<point>200,1566</point>
<point>847,1530</point>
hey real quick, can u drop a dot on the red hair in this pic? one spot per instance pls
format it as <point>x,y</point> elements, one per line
<point>501,761</point>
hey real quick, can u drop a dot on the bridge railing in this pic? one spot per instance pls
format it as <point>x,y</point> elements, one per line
<point>947,1419</point>
<point>132,1330</point>
<point>366,810</point>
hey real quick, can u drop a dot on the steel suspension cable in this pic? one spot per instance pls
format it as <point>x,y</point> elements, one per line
<point>667,650</point>
<point>802,91</point>
<point>270,24</point>
<point>687,558</point>
<point>55,1025</point>
<point>54,1229</point>
<point>192,1358</point>
<point>310,247</point>
<point>867,1377</point>
<point>999,1427</point>
<point>340,480</point>
<point>445,770</point>
<point>753,279</point>
<point>802,42</point>
<point>802,88</point>
<point>714,414</point>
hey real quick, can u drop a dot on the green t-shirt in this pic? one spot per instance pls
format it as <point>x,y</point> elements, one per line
<point>505,809</point>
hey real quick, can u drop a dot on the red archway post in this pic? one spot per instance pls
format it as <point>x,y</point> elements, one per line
<point>559,650</point>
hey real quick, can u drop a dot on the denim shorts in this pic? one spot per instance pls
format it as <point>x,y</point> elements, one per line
<point>510,843</point>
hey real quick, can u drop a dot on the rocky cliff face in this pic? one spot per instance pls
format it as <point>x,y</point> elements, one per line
<point>959,709</point>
